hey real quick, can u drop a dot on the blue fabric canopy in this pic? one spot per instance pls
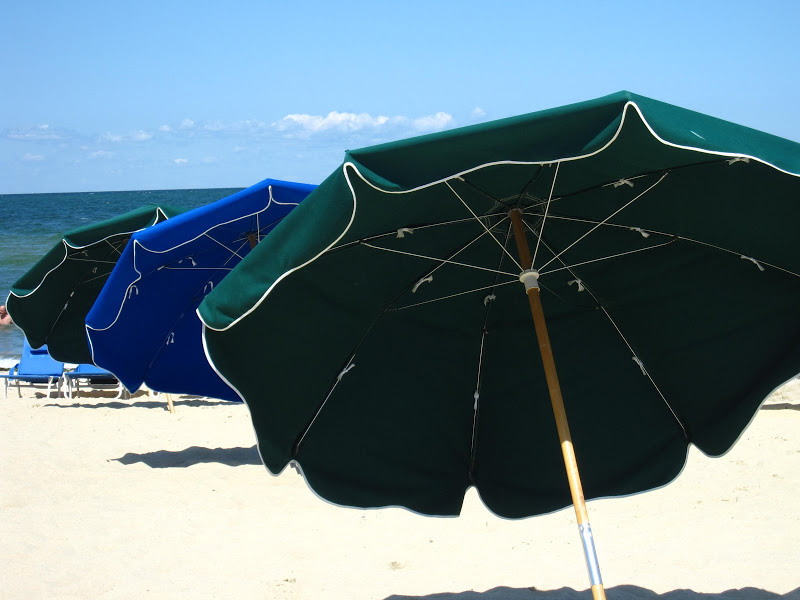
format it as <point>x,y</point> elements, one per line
<point>143,327</point>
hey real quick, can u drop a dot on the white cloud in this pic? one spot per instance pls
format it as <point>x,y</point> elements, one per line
<point>347,122</point>
<point>134,136</point>
<point>437,122</point>
<point>181,161</point>
<point>141,136</point>
<point>33,157</point>
<point>39,133</point>
<point>101,154</point>
<point>165,128</point>
<point>477,113</point>
<point>186,124</point>
<point>335,120</point>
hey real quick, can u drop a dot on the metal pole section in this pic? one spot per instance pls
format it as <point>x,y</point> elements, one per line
<point>529,278</point>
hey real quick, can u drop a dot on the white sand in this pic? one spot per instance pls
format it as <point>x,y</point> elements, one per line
<point>104,499</point>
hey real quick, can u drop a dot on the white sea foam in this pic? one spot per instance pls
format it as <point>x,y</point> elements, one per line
<point>6,362</point>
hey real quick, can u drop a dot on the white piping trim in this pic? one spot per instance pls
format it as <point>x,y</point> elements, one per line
<point>67,245</point>
<point>229,384</point>
<point>292,270</point>
<point>628,104</point>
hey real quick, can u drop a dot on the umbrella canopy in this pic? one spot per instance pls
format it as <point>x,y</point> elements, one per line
<point>662,243</point>
<point>49,302</point>
<point>143,326</point>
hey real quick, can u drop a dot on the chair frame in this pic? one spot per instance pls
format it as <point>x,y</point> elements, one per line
<point>32,378</point>
<point>87,373</point>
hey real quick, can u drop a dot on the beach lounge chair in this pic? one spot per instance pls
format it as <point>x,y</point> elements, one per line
<point>94,377</point>
<point>34,367</point>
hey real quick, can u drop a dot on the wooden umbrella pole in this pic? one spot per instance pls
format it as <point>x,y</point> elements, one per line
<point>573,476</point>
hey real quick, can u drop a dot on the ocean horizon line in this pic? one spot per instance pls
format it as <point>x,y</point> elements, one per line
<point>232,187</point>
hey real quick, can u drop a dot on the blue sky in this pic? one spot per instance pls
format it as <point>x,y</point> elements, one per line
<point>174,94</point>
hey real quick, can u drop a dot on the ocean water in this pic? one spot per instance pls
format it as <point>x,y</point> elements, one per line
<point>31,224</point>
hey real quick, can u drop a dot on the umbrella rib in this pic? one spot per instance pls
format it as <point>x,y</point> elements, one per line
<point>604,221</point>
<point>198,294</point>
<point>440,260</point>
<point>395,232</point>
<point>349,364</point>
<point>741,255</point>
<point>477,395</point>
<point>624,339</point>
<point>674,236</point>
<point>636,358</point>
<point>266,227</point>
<point>113,247</point>
<point>546,210</point>
<point>93,261</point>
<point>244,241</point>
<point>223,245</point>
<point>632,178</point>
<point>501,202</point>
<point>594,260</point>
<point>511,256</point>
<point>199,268</point>
<point>103,275</point>
<point>472,291</point>
<point>452,256</point>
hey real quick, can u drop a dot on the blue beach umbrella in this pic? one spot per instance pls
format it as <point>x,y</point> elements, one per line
<point>143,326</point>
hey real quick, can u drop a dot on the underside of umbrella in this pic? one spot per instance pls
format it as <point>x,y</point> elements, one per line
<point>143,326</point>
<point>667,276</point>
<point>50,302</point>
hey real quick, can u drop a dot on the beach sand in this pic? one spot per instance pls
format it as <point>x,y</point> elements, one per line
<point>109,499</point>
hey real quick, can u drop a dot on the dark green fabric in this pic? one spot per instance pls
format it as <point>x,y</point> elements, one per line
<point>715,333</point>
<point>50,301</point>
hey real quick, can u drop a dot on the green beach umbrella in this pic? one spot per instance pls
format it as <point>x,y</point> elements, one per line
<point>382,337</point>
<point>50,302</point>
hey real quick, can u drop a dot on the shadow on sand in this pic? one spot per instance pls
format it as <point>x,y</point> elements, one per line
<point>159,403</point>
<point>781,406</point>
<point>168,459</point>
<point>622,592</point>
